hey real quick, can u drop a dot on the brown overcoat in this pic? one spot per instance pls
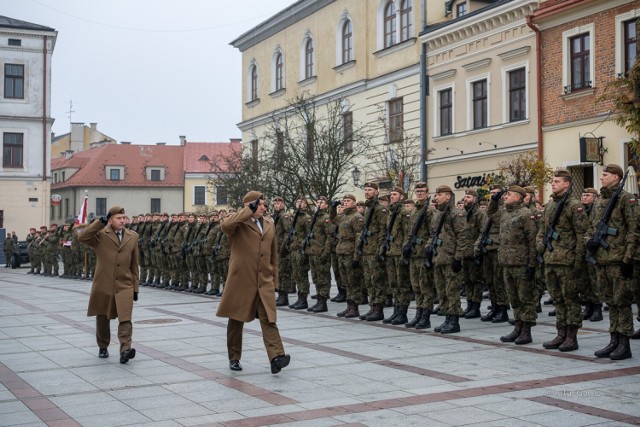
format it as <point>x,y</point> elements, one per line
<point>117,276</point>
<point>253,268</point>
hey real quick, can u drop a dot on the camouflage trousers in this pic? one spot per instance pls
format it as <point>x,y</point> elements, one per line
<point>200,273</point>
<point>539,282</point>
<point>222,270</point>
<point>145,263</point>
<point>495,279</point>
<point>564,288</point>
<point>189,272</point>
<point>398,280</point>
<point>636,285</point>
<point>521,293</point>
<point>67,261</point>
<point>349,280</point>
<point>321,275</point>
<point>7,257</point>
<point>284,272</point>
<point>300,271</point>
<point>472,278</point>
<point>374,279</point>
<point>421,283</point>
<point>589,288</point>
<point>449,283</point>
<point>336,270</point>
<point>617,292</point>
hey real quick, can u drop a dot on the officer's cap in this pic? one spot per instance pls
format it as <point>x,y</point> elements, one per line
<point>422,184</point>
<point>251,196</point>
<point>614,169</point>
<point>115,211</point>
<point>518,189</point>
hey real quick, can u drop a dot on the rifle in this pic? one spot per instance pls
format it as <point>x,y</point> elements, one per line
<point>154,241</point>
<point>309,235</point>
<point>287,241</point>
<point>364,235</point>
<point>185,245</point>
<point>602,229</point>
<point>407,250</point>
<point>551,233</point>
<point>389,237</point>
<point>216,247</point>
<point>485,241</point>
<point>202,241</point>
<point>432,248</point>
<point>166,236</point>
<point>141,233</point>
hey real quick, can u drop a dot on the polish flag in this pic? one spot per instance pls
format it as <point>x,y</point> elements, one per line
<point>82,217</point>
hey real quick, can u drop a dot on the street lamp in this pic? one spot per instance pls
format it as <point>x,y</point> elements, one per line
<point>487,143</point>
<point>454,148</point>
<point>355,174</point>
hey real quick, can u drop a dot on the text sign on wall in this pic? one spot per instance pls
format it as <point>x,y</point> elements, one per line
<point>473,181</point>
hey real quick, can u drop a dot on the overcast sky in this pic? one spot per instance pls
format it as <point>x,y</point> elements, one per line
<point>147,71</point>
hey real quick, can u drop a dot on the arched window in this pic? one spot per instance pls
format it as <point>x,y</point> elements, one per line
<point>308,59</point>
<point>254,83</point>
<point>347,42</point>
<point>405,20</point>
<point>279,72</point>
<point>390,24</point>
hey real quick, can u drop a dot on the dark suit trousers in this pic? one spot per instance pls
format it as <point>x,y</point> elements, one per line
<point>270,336</point>
<point>103,333</point>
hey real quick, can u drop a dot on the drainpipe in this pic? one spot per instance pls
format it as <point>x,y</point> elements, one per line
<point>45,218</point>
<point>535,29</point>
<point>424,92</point>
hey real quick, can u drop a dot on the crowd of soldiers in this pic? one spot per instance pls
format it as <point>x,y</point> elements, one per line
<point>388,250</point>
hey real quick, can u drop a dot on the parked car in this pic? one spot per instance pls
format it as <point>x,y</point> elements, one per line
<point>20,254</point>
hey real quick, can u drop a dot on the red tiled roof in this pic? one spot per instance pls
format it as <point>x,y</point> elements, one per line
<point>199,156</point>
<point>135,158</point>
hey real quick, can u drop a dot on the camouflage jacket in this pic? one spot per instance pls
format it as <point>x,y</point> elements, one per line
<point>569,247</point>
<point>423,232</point>
<point>350,225</point>
<point>320,236</point>
<point>454,235</point>
<point>377,227</point>
<point>476,219</point>
<point>396,232</point>
<point>517,236</point>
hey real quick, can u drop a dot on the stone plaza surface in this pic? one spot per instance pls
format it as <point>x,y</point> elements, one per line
<point>343,372</point>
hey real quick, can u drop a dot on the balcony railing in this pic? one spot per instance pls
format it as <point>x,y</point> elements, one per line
<point>577,86</point>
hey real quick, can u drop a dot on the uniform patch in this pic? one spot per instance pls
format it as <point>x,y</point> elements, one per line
<point>460,214</point>
<point>580,209</point>
<point>633,201</point>
<point>533,217</point>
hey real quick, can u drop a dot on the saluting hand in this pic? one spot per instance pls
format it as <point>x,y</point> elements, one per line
<point>254,205</point>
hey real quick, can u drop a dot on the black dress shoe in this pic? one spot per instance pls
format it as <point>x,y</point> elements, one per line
<point>235,365</point>
<point>126,355</point>
<point>279,362</point>
<point>103,353</point>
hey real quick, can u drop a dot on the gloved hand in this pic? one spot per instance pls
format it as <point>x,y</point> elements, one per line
<point>456,266</point>
<point>592,245</point>
<point>254,205</point>
<point>406,252</point>
<point>336,203</point>
<point>496,196</point>
<point>530,272</point>
<point>626,270</point>
<point>135,296</point>
<point>355,263</point>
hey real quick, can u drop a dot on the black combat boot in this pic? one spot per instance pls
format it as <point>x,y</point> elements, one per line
<point>491,314</point>
<point>468,309</point>
<point>608,349</point>
<point>388,302</point>
<point>321,306</point>
<point>392,317</point>
<point>636,335</point>
<point>525,334</point>
<point>623,351</point>
<point>552,313</point>
<point>452,327</point>
<point>313,307</point>
<point>596,316</point>
<point>558,339</point>
<point>377,314</point>
<point>368,313</point>
<point>352,311</point>
<point>502,315</point>
<point>548,302</point>
<point>571,342</point>
<point>281,301</point>
<point>301,303</point>
<point>511,337</point>
<point>346,310</point>
<point>401,318</point>
<point>341,297</point>
<point>444,324</point>
<point>425,321</point>
<point>413,322</point>
<point>474,313</point>
<point>588,311</point>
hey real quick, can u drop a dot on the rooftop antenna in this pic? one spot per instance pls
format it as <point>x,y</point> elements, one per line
<point>69,112</point>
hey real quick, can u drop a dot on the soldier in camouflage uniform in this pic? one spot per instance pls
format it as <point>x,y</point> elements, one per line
<point>472,271</point>
<point>174,241</point>
<point>300,261</point>
<point>52,245</point>
<point>31,238</point>
<point>187,261</point>
<point>421,279</point>
<point>368,253</point>
<point>615,263</point>
<point>77,252</point>
<point>211,236</point>
<point>397,271</point>
<point>282,221</point>
<point>454,242</point>
<point>318,251</point>
<point>65,249</point>
<point>517,254</point>
<point>565,262</point>
<point>143,228</point>
<point>153,276</point>
<point>532,203</point>
<point>222,260</point>
<point>200,273</point>
<point>160,260</point>
<point>491,267</point>
<point>350,224</point>
<point>341,296</point>
<point>589,292</point>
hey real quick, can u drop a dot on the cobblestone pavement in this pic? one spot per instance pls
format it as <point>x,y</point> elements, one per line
<point>343,372</point>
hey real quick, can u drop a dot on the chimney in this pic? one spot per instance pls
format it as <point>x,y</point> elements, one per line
<point>125,142</point>
<point>183,140</point>
<point>162,144</point>
<point>76,139</point>
<point>235,140</point>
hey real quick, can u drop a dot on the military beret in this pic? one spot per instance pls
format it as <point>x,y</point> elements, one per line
<point>529,189</point>
<point>44,226</point>
<point>214,213</point>
<point>32,228</point>
<point>496,187</point>
<point>384,198</point>
<point>422,184</point>
<point>174,214</point>
<point>116,210</point>
<point>148,214</point>
<point>349,196</point>
<point>371,185</point>
<point>301,198</point>
<point>590,190</point>
<point>323,198</point>
<point>614,169</point>
<point>471,192</point>
<point>54,225</point>
<point>444,189</point>
<point>251,196</point>
<point>562,173</point>
<point>409,202</point>
<point>360,203</point>
<point>518,189</point>
<point>278,199</point>
<point>398,190</point>
<point>164,214</point>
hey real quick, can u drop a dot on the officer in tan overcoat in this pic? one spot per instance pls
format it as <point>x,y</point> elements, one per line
<point>116,280</point>
<point>252,280</point>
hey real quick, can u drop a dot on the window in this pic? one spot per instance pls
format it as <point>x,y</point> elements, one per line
<point>55,177</point>
<point>446,111</point>
<point>630,44</point>
<point>155,205</point>
<point>308,59</point>
<point>390,25</point>
<point>461,9</point>
<point>254,83</point>
<point>580,57</point>
<point>114,174</point>
<point>59,210</point>
<point>396,120</point>
<point>347,42</point>
<point>310,148</point>
<point>14,81</point>
<point>64,176</point>
<point>101,206</point>
<point>517,95</point>
<point>15,42</point>
<point>479,104</point>
<point>222,195</point>
<point>66,208</point>
<point>199,192</point>
<point>279,72</point>
<point>155,175</point>
<point>347,131</point>
<point>405,20</point>
<point>12,150</point>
